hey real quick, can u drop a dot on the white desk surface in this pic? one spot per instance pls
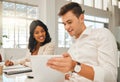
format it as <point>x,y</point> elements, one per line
<point>17,78</point>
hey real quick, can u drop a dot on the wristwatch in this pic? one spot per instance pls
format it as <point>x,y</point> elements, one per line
<point>77,67</point>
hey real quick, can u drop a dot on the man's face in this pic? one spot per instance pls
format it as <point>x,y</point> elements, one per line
<point>73,24</point>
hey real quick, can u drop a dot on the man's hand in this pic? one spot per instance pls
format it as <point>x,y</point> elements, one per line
<point>63,64</point>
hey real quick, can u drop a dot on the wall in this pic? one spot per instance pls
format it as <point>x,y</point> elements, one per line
<point>0,23</point>
<point>116,22</point>
<point>16,53</point>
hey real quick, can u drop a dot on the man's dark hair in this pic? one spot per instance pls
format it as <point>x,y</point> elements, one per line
<point>72,6</point>
<point>32,42</point>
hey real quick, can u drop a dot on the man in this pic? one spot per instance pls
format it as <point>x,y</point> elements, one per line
<point>93,56</point>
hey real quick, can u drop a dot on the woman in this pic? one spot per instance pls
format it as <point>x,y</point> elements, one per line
<point>39,43</point>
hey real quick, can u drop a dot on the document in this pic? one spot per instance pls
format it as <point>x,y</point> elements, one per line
<point>16,69</point>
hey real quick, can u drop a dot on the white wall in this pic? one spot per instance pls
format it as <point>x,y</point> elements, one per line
<point>16,53</point>
<point>0,23</point>
<point>116,22</point>
<point>2,54</point>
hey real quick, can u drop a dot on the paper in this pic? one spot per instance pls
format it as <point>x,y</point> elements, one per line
<point>13,67</point>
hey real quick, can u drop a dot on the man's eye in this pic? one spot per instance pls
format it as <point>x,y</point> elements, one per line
<point>69,22</point>
<point>64,24</point>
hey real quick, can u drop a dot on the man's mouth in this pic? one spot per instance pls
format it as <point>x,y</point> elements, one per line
<point>70,30</point>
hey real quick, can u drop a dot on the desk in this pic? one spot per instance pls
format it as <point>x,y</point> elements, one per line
<point>16,78</point>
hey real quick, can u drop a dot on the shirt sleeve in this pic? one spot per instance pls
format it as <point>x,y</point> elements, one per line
<point>49,49</point>
<point>106,71</point>
<point>22,60</point>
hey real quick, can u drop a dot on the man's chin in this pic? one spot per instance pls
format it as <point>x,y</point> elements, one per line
<point>71,34</point>
<point>73,37</point>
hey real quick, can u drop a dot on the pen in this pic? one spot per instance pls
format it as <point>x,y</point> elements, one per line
<point>11,57</point>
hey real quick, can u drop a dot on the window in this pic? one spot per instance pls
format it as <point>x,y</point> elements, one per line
<point>114,2</point>
<point>65,40</point>
<point>98,4</point>
<point>105,4</point>
<point>88,3</point>
<point>78,1</point>
<point>18,17</point>
<point>96,22</point>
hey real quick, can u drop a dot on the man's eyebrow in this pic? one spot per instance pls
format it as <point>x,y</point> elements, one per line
<point>68,20</point>
<point>65,21</point>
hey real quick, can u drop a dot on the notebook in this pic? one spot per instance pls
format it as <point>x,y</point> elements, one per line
<point>43,73</point>
<point>16,69</point>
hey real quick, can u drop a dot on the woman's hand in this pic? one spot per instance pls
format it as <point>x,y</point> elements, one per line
<point>9,63</point>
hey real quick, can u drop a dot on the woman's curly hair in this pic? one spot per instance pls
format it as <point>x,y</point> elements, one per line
<point>32,42</point>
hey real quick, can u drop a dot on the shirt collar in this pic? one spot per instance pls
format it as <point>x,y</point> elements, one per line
<point>85,33</point>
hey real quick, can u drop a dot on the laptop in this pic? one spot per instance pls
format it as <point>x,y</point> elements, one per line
<point>43,73</point>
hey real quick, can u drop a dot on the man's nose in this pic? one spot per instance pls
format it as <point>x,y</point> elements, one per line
<point>67,27</point>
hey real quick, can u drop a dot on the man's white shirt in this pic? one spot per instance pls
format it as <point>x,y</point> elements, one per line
<point>96,48</point>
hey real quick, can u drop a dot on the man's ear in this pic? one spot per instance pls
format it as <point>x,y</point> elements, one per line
<point>81,17</point>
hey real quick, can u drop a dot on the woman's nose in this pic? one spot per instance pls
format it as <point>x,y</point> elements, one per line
<point>40,34</point>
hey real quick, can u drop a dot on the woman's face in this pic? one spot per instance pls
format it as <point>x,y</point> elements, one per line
<point>39,34</point>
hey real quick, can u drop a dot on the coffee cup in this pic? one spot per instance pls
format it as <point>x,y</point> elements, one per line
<point>1,69</point>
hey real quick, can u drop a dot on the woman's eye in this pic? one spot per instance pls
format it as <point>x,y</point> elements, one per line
<point>36,32</point>
<point>42,31</point>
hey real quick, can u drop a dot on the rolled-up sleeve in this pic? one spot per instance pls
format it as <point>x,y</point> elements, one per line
<point>23,59</point>
<point>106,71</point>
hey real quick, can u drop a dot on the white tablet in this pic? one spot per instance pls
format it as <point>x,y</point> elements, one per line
<point>43,73</point>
